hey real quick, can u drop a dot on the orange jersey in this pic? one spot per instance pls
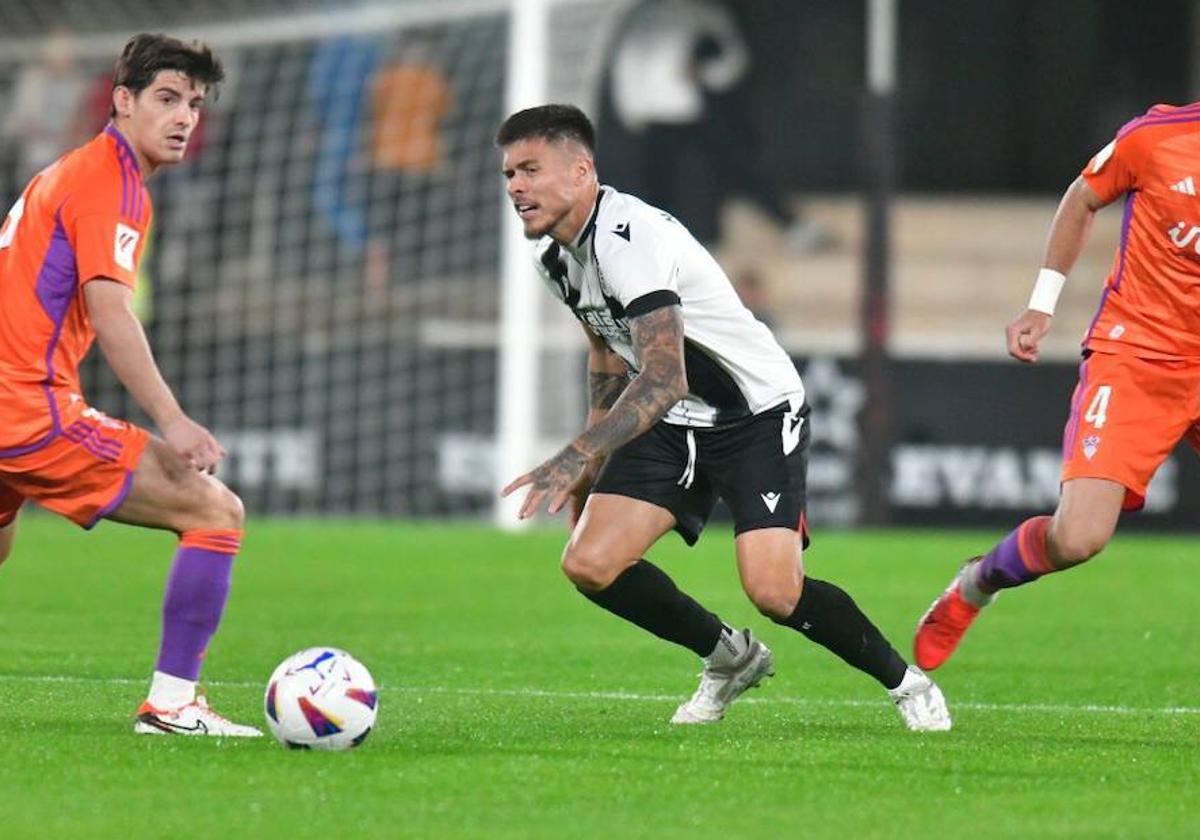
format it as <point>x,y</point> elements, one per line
<point>1151,302</point>
<point>83,217</point>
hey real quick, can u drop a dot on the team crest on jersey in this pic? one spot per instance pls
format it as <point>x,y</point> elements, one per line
<point>1090,444</point>
<point>125,246</point>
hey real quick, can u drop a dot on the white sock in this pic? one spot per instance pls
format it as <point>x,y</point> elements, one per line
<point>911,678</point>
<point>969,589</point>
<point>731,646</point>
<point>168,692</point>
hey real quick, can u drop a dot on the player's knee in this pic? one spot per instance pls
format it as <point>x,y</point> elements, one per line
<point>229,510</point>
<point>1072,544</point>
<point>588,568</point>
<point>214,506</point>
<point>773,601</point>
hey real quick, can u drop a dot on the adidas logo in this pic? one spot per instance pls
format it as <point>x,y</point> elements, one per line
<point>1187,186</point>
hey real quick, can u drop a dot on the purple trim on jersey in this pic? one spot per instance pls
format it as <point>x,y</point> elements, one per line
<point>57,283</point>
<point>1126,218</point>
<point>1119,275</point>
<point>131,206</point>
<point>114,503</point>
<point>132,200</point>
<point>55,289</point>
<point>1099,309</point>
<point>1185,114</point>
<point>1073,423</point>
<point>123,144</point>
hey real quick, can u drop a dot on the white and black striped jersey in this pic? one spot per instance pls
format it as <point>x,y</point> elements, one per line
<point>630,259</point>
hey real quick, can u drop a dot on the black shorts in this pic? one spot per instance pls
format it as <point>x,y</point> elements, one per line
<point>758,467</point>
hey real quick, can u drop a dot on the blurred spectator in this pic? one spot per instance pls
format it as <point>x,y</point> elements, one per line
<point>676,71</point>
<point>339,79</point>
<point>411,97</point>
<point>43,119</point>
<point>752,290</point>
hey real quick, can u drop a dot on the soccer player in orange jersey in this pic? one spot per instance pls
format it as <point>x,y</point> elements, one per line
<point>69,252</point>
<point>1139,383</point>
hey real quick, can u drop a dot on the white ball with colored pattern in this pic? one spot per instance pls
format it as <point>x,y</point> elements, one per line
<point>321,698</point>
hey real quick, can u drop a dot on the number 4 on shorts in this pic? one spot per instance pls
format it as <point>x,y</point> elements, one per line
<point>1097,412</point>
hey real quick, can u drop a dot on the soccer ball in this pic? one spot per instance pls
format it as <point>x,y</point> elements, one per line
<point>321,698</point>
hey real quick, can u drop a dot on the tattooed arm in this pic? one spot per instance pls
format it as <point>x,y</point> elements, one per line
<point>638,405</point>
<point>662,382</point>
<point>608,377</point>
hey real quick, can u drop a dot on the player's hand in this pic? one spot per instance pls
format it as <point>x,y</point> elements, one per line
<point>194,444</point>
<point>554,481</point>
<point>1025,334</point>
<point>580,492</point>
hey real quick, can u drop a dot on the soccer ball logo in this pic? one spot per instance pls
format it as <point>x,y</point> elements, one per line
<point>321,698</point>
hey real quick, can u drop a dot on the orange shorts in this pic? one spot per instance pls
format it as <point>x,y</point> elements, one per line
<point>82,471</point>
<point>1127,415</point>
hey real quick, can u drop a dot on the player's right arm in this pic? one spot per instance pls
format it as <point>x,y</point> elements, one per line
<point>608,377</point>
<point>1068,233</point>
<point>124,344</point>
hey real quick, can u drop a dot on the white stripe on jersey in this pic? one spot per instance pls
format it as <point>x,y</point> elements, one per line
<point>628,250</point>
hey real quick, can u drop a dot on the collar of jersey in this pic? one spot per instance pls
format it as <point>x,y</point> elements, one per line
<point>590,227</point>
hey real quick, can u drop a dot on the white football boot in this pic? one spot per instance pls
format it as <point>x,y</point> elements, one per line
<point>921,702</point>
<point>195,718</point>
<point>725,678</point>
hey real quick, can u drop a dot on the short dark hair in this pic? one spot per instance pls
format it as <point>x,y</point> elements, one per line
<point>145,55</point>
<point>550,122</point>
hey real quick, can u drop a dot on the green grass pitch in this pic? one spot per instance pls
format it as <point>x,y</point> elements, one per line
<point>512,708</point>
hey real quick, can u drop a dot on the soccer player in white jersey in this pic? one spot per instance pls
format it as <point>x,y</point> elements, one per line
<point>691,399</point>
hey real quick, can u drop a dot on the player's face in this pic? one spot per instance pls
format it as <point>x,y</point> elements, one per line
<point>159,121</point>
<point>548,184</point>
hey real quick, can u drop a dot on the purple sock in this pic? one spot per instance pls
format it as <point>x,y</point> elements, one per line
<point>192,605</point>
<point>1005,567</point>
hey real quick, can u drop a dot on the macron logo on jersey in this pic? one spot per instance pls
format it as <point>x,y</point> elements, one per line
<point>622,230</point>
<point>1187,186</point>
<point>125,245</point>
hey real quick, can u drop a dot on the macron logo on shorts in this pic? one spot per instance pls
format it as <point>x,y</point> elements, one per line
<point>124,246</point>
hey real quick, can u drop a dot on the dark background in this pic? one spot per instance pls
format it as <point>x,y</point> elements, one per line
<point>995,95</point>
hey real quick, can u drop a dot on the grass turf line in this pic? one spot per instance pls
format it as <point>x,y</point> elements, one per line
<point>513,708</point>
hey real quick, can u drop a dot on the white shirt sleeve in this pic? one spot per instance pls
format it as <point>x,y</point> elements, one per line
<point>635,262</point>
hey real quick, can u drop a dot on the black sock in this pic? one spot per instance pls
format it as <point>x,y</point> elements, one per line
<point>644,595</point>
<point>829,617</point>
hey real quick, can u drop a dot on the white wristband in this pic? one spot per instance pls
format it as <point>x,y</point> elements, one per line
<point>1046,290</point>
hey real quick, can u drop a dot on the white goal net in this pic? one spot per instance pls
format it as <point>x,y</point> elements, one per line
<point>322,281</point>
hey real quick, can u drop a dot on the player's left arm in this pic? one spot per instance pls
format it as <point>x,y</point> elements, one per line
<point>1068,234</point>
<point>657,338</point>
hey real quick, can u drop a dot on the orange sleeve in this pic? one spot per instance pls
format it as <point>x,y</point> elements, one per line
<point>1115,169</point>
<point>107,242</point>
